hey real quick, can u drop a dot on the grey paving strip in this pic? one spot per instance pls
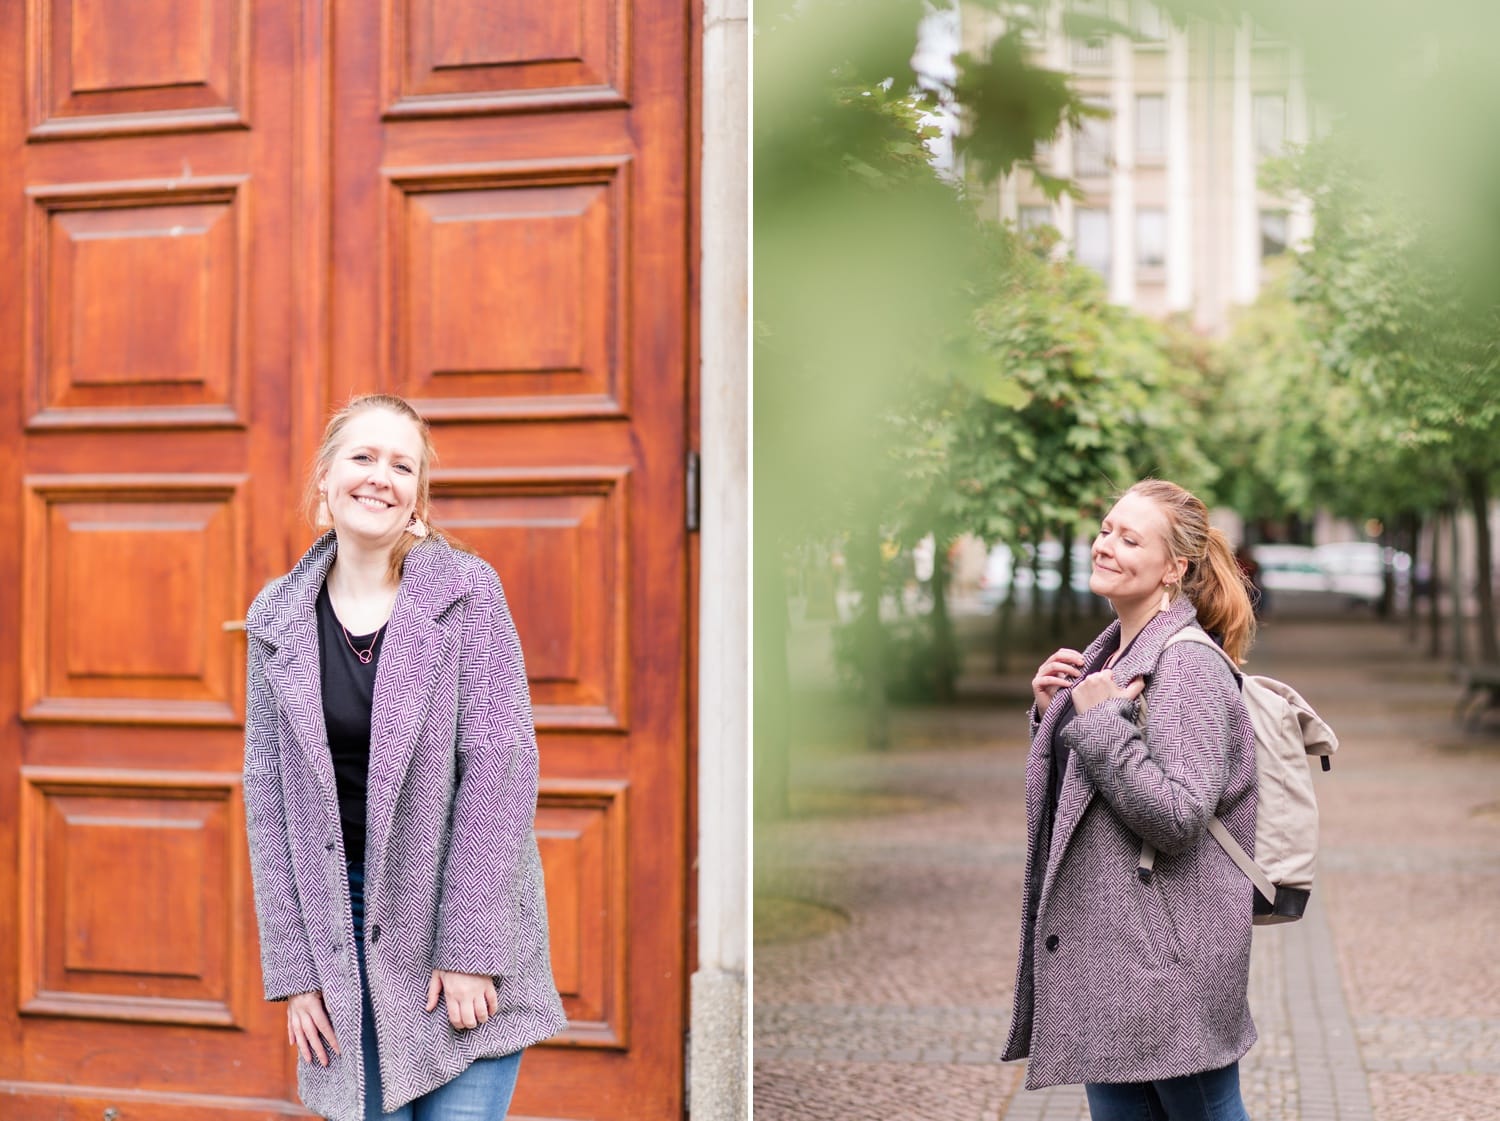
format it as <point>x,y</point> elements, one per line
<point>1331,1080</point>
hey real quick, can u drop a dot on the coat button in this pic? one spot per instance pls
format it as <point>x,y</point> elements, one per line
<point>375,933</point>
<point>329,846</point>
<point>1052,943</point>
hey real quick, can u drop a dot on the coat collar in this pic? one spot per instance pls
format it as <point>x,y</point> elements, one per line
<point>284,617</point>
<point>284,613</point>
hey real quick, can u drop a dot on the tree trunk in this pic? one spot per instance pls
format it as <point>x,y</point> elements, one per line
<point>1479,500</point>
<point>864,556</point>
<point>1036,590</point>
<point>1005,622</point>
<point>944,645</point>
<point>1456,587</point>
<point>1065,572</point>
<point>1413,621</point>
<point>771,701</point>
<point>1434,587</point>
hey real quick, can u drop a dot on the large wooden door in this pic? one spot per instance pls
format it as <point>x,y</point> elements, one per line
<point>224,218</point>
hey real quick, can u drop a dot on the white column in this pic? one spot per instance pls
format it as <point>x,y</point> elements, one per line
<point>719,1013</point>
<point>1243,199</point>
<point>1056,56</point>
<point>1010,208</point>
<point>1299,224</point>
<point>1179,176</point>
<point>1122,174</point>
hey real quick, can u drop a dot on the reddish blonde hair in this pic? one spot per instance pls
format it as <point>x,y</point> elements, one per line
<point>329,448</point>
<point>1214,581</point>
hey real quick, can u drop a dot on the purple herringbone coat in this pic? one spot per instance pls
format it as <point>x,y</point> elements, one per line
<point>1120,980</point>
<point>452,875</point>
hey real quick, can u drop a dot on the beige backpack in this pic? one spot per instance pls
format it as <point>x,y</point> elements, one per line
<point>1287,731</point>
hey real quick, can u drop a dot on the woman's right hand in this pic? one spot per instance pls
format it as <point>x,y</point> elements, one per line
<point>306,1021</point>
<point>1061,669</point>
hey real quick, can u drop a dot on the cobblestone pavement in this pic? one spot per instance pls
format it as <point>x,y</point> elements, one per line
<point>1383,1003</point>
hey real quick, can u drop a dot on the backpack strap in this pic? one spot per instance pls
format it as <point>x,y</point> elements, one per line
<point>1220,832</point>
<point>1200,636</point>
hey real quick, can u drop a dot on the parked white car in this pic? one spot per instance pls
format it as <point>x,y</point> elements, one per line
<point>1290,568</point>
<point>1357,569</point>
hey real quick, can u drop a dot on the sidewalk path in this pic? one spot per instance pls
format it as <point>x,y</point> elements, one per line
<point>1383,1003</point>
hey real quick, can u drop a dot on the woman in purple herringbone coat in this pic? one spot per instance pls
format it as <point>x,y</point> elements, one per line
<point>390,793</point>
<point>1132,974</point>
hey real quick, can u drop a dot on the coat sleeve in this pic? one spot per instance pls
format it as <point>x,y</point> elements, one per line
<point>489,870</point>
<point>286,959</point>
<point>1166,785</point>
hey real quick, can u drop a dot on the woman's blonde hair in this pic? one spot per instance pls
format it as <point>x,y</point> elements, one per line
<point>329,448</point>
<point>1214,581</point>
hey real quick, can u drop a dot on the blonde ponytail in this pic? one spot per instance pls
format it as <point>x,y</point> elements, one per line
<point>1214,581</point>
<point>1217,587</point>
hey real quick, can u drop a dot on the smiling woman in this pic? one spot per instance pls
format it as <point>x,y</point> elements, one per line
<point>384,669</point>
<point>1134,983</point>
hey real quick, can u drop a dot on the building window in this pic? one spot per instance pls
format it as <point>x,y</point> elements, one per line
<point>1093,50</point>
<point>1150,27</point>
<point>1150,128</point>
<point>1031,217</point>
<point>1151,237</point>
<point>1270,124</point>
<point>1091,144</point>
<point>1273,235</point>
<point>1091,240</point>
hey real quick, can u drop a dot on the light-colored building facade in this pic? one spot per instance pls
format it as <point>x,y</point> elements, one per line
<point>1172,213</point>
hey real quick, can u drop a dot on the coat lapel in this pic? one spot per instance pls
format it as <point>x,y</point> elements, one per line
<point>286,622</point>
<point>406,681</point>
<point>1140,660</point>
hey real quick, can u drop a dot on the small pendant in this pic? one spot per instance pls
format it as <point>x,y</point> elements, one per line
<point>365,655</point>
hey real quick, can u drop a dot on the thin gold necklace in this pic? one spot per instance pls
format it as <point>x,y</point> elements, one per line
<point>363,655</point>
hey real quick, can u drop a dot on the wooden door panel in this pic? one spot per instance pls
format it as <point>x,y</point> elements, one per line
<point>581,831</point>
<point>129,581</point>
<point>102,66</point>
<point>561,536</point>
<point>496,56</point>
<point>507,288</point>
<point>108,931</point>
<point>172,340</point>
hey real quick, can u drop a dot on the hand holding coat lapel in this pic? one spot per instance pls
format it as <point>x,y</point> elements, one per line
<point>1078,789</point>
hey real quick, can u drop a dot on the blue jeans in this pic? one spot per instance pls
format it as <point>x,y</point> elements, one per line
<point>1213,1095</point>
<point>480,1093</point>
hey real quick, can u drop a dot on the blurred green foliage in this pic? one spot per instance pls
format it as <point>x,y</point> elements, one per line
<point>917,371</point>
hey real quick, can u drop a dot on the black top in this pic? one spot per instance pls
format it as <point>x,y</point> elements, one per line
<point>348,695</point>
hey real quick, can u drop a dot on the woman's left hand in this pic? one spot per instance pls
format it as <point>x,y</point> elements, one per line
<point>1097,687</point>
<point>471,997</point>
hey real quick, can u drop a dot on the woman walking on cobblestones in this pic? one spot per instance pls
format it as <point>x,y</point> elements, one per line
<point>1134,983</point>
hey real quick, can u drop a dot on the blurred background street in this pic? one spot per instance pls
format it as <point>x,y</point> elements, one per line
<point>888,899</point>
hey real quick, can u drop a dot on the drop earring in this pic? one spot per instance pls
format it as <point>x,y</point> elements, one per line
<point>416,527</point>
<point>324,519</point>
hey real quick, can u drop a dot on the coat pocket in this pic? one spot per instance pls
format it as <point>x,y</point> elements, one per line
<point>1156,913</point>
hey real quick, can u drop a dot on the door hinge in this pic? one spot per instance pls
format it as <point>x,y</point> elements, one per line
<point>694,470</point>
<point>687,1072</point>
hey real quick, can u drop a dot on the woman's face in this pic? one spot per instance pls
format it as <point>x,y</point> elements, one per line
<point>372,484</point>
<point>1131,561</point>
